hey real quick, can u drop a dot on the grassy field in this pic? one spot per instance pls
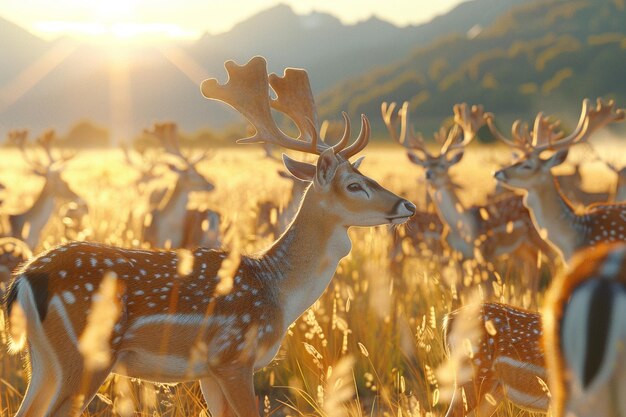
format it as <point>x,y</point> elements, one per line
<point>370,346</point>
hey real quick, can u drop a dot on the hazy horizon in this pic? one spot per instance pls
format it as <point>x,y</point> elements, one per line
<point>189,19</point>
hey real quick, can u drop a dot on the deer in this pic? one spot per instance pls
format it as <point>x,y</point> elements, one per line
<point>584,334</point>
<point>552,213</point>
<point>228,311</point>
<point>568,356</point>
<point>200,227</point>
<point>487,232</point>
<point>29,224</point>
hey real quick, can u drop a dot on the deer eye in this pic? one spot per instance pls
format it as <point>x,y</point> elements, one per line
<point>355,187</point>
<point>526,166</point>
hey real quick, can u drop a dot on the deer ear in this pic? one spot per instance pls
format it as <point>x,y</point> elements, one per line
<point>327,165</point>
<point>455,158</point>
<point>556,159</point>
<point>300,170</point>
<point>415,159</point>
<point>174,168</point>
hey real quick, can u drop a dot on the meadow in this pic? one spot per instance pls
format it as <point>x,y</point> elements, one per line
<point>371,346</point>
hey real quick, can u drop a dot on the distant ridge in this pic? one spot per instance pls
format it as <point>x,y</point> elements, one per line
<point>83,87</point>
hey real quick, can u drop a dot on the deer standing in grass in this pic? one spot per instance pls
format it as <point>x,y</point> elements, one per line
<point>486,233</point>
<point>199,227</point>
<point>29,224</point>
<point>216,323</point>
<point>513,354</point>
<point>584,335</point>
<point>552,213</point>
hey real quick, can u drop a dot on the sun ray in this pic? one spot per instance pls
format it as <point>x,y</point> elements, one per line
<point>185,63</point>
<point>120,91</point>
<point>33,74</point>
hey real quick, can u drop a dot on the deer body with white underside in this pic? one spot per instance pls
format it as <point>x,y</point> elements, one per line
<point>236,322</point>
<point>584,335</point>
<point>571,359</point>
<point>29,224</point>
<point>500,228</point>
<point>172,224</point>
<point>551,212</point>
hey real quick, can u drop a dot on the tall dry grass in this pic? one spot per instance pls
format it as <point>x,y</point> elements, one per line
<point>372,343</point>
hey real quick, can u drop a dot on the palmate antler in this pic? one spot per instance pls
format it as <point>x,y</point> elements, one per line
<point>39,165</point>
<point>248,91</point>
<point>545,136</point>
<point>167,135</point>
<point>467,121</point>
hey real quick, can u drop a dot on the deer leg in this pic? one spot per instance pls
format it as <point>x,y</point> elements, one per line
<point>238,389</point>
<point>76,395</point>
<point>43,384</point>
<point>215,399</point>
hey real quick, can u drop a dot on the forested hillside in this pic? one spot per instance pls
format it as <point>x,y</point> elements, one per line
<point>544,55</point>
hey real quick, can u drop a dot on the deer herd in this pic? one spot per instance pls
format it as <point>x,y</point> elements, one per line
<point>181,309</point>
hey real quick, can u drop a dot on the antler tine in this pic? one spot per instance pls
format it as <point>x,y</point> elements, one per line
<point>295,99</point>
<point>387,111</point>
<point>19,138</point>
<point>361,141</point>
<point>544,131</point>
<point>247,91</point>
<point>410,139</point>
<point>467,121</point>
<point>45,141</point>
<point>167,135</point>
<point>514,143</point>
<point>591,119</point>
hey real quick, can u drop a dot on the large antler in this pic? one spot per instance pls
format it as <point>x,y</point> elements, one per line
<point>45,141</point>
<point>467,121</point>
<point>167,135</point>
<point>545,136</point>
<point>408,138</point>
<point>248,91</point>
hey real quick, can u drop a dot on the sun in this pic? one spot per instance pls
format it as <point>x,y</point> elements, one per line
<point>114,11</point>
<point>110,21</point>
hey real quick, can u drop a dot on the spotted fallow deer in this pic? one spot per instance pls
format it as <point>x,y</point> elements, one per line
<point>29,224</point>
<point>584,334</point>
<point>551,212</point>
<point>572,355</point>
<point>172,224</point>
<point>501,228</point>
<point>225,316</point>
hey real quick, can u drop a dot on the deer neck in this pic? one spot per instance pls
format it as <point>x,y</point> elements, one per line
<point>461,224</point>
<point>303,260</point>
<point>175,204</point>
<point>292,206</point>
<point>552,213</point>
<point>36,217</point>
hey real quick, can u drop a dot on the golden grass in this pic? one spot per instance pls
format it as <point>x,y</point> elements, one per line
<point>369,346</point>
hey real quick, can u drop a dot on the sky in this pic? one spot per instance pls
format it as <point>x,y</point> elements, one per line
<point>191,18</point>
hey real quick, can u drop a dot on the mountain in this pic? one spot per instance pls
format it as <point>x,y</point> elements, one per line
<point>19,49</point>
<point>128,87</point>
<point>545,55</point>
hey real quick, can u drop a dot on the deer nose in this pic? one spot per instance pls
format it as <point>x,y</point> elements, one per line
<point>429,174</point>
<point>500,175</point>
<point>409,206</point>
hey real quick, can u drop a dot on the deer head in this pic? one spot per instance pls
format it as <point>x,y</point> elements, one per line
<point>188,176</point>
<point>532,169</point>
<point>451,141</point>
<point>337,187</point>
<point>45,164</point>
